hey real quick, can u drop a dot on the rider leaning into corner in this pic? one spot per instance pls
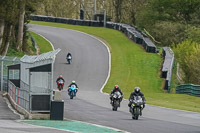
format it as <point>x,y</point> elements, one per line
<point>136,92</point>
<point>73,83</point>
<point>116,88</point>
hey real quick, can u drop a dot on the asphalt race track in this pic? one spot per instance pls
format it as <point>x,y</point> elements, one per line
<point>8,123</point>
<point>89,68</point>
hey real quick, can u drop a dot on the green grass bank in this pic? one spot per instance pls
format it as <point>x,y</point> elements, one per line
<point>131,66</point>
<point>43,44</point>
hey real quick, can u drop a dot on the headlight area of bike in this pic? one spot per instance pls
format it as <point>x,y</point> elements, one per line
<point>114,96</point>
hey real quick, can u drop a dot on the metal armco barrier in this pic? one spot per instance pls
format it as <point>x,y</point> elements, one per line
<point>167,67</point>
<point>190,89</point>
<point>132,32</point>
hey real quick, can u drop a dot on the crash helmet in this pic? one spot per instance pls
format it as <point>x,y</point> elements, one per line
<point>137,90</point>
<point>116,86</point>
<point>73,81</point>
<point>60,76</point>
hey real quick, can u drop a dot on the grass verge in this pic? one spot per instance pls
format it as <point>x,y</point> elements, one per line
<point>43,44</point>
<point>131,66</point>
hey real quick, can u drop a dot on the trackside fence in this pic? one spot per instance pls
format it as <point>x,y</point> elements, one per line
<point>4,62</point>
<point>167,67</point>
<point>189,89</point>
<point>20,96</point>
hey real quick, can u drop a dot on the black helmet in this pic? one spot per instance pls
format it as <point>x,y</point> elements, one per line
<point>137,89</point>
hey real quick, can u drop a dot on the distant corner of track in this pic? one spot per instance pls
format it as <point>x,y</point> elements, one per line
<point>101,90</point>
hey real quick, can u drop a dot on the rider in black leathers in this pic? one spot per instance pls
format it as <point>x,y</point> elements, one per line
<point>69,54</point>
<point>60,78</point>
<point>136,92</point>
<point>116,88</point>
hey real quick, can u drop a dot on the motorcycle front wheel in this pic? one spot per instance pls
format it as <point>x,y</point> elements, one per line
<point>137,112</point>
<point>71,95</point>
<point>114,108</point>
<point>59,87</point>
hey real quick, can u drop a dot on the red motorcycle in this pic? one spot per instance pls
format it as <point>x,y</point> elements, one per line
<point>60,84</point>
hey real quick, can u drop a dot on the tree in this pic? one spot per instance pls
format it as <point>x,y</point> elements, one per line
<point>12,14</point>
<point>169,32</point>
<point>3,6</point>
<point>193,33</point>
<point>118,9</point>
<point>22,4</point>
<point>2,24</point>
<point>181,10</point>
<point>9,16</point>
<point>7,42</point>
<point>187,54</point>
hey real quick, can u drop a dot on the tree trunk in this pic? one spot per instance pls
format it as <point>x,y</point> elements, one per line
<point>1,30</point>
<point>6,46</point>
<point>117,5</point>
<point>21,26</point>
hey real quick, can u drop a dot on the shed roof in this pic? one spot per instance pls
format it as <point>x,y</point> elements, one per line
<point>36,58</point>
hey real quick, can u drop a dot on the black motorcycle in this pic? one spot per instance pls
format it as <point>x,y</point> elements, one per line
<point>136,107</point>
<point>69,59</point>
<point>116,100</point>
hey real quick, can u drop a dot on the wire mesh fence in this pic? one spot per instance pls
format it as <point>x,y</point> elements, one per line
<point>14,74</point>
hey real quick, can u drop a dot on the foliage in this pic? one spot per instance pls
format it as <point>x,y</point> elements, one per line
<point>59,8</point>
<point>193,33</point>
<point>187,54</point>
<point>169,32</point>
<point>181,10</point>
<point>10,11</point>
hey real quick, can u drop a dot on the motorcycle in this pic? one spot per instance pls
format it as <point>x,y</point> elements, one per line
<point>69,59</point>
<point>116,100</point>
<point>60,84</point>
<point>72,91</point>
<point>136,107</point>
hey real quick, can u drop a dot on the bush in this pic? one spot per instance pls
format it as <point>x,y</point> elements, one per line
<point>187,54</point>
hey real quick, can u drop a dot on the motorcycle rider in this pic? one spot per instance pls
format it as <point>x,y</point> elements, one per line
<point>60,78</point>
<point>136,92</point>
<point>69,56</point>
<point>116,88</point>
<point>73,83</point>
